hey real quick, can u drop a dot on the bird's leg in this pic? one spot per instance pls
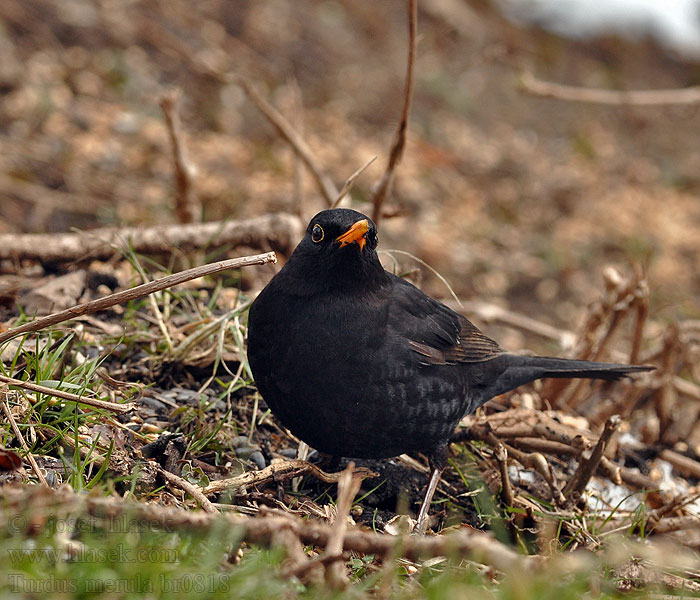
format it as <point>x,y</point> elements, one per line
<point>437,461</point>
<point>421,524</point>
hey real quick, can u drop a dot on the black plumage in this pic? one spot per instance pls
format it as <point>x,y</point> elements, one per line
<point>360,363</point>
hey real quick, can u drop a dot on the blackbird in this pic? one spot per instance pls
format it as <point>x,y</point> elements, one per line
<point>358,362</point>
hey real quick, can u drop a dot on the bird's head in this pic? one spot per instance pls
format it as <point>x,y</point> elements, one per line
<point>340,232</point>
<point>338,250</point>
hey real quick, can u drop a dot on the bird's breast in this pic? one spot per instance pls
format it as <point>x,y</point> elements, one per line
<point>338,379</point>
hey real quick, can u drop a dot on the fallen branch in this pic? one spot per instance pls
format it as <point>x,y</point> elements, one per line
<point>262,530</point>
<point>684,465</point>
<point>533,444</point>
<point>279,232</point>
<point>669,524</point>
<point>536,87</point>
<point>137,292</point>
<point>280,471</point>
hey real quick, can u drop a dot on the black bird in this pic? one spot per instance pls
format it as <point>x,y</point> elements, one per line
<point>357,362</point>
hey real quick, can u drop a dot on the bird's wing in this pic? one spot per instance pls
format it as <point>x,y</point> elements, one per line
<point>435,333</point>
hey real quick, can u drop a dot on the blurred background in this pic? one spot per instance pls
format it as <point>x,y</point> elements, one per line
<point>515,199</point>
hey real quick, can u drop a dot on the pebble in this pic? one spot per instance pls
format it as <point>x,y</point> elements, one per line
<point>258,458</point>
<point>241,441</point>
<point>244,452</point>
<point>154,404</point>
<point>187,396</point>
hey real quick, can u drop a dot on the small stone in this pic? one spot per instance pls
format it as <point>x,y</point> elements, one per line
<point>258,458</point>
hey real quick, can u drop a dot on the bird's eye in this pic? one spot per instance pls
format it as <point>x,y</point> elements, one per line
<point>317,233</point>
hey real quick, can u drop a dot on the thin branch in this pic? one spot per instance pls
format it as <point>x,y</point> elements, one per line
<point>94,402</point>
<point>492,313</point>
<point>348,486</point>
<point>285,129</point>
<point>501,455</point>
<point>384,186</point>
<point>137,292</point>
<point>529,84</point>
<point>583,474</point>
<point>669,524</point>
<point>534,444</point>
<point>190,488</point>
<point>279,472</point>
<point>18,434</point>
<point>187,208</point>
<point>684,465</point>
<point>351,181</point>
<point>641,304</point>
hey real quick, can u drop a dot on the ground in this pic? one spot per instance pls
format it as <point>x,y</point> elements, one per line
<point>582,217</point>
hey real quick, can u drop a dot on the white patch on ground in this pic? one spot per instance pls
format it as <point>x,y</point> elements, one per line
<point>674,23</point>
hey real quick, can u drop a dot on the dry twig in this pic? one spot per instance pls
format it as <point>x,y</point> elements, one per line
<point>621,297</point>
<point>191,489</point>
<point>348,486</point>
<point>285,129</point>
<point>279,471</point>
<point>384,185</point>
<point>492,313</point>
<point>684,465</point>
<point>529,84</point>
<point>583,474</point>
<point>187,208</point>
<point>94,402</point>
<point>501,455</point>
<point>351,181</point>
<point>137,292</point>
<point>464,543</point>
<point>20,438</point>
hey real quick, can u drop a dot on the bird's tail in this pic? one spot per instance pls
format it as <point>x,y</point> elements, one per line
<point>516,370</point>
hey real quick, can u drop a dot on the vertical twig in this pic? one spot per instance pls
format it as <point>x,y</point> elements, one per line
<point>187,208</point>
<point>618,301</point>
<point>348,487</point>
<point>20,437</point>
<point>642,312</point>
<point>384,186</point>
<point>666,395</point>
<point>302,149</point>
<point>501,455</point>
<point>583,474</point>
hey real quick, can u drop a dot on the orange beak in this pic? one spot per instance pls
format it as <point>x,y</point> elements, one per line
<point>355,234</point>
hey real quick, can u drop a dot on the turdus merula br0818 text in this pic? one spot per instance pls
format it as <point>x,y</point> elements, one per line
<point>360,363</point>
